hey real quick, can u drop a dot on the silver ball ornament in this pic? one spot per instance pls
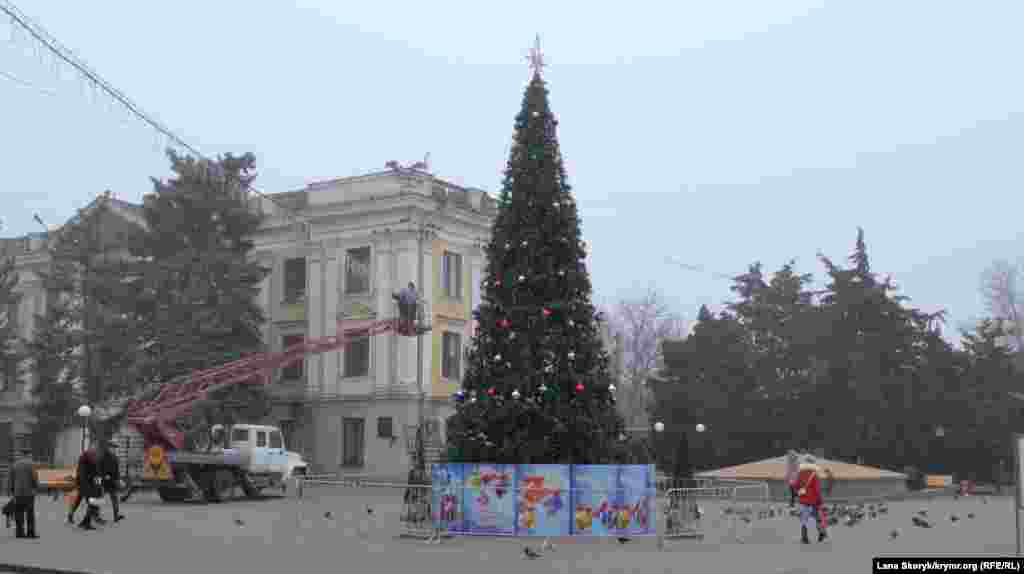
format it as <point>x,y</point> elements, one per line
<point>515,393</point>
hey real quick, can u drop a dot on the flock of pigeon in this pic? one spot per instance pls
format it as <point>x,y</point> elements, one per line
<point>849,515</point>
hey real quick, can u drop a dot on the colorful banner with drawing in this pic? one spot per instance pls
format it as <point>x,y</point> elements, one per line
<point>489,498</point>
<point>446,506</point>
<point>545,499</point>
<point>543,495</point>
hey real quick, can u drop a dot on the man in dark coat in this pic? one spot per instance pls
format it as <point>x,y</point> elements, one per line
<point>110,470</point>
<point>24,485</point>
<point>88,488</point>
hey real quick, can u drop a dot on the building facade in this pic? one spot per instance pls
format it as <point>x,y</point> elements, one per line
<point>338,252</point>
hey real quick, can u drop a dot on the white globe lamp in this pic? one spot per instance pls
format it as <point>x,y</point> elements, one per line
<point>659,426</point>
<point>85,411</point>
<point>701,427</point>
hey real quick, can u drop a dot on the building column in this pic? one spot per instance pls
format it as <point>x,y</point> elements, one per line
<point>328,310</point>
<point>427,293</point>
<point>406,271</point>
<point>314,321</point>
<point>384,349</point>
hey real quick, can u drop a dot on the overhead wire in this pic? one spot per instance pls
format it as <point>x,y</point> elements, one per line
<point>63,53</point>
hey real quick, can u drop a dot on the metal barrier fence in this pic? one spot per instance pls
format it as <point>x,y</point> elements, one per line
<point>676,513</point>
<point>687,511</point>
<point>414,512</point>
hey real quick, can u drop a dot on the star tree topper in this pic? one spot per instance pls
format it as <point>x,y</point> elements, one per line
<point>536,57</point>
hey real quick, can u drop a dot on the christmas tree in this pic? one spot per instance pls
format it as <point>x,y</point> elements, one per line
<point>537,387</point>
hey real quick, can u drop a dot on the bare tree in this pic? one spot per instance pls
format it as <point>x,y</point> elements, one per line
<point>1001,289</point>
<point>641,324</point>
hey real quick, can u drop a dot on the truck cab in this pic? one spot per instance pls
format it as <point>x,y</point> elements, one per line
<point>269,462</point>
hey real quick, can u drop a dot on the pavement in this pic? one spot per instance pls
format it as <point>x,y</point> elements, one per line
<point>329,530</point>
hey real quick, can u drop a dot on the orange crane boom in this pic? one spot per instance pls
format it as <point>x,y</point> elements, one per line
<point>155,418</point>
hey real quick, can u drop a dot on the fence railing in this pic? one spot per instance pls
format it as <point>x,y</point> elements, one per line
<point>457,510</point>
<point>686,510</point>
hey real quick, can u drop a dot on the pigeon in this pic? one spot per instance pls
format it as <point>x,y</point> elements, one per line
<point>883,510</point>
<point>923,513</point>
<point>623,540</point>
<point>530,553</point>
<point>970,515</point>
<point>894,534</point>
<point>920,522</point>
<point>954,518</point>
<point>369,510</point>
<point>239,523</point>
<point>746,520</point>
<point>873,515</point>
<point>328,515</point>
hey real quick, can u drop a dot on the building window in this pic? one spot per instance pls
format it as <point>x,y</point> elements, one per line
<point>275,440</point>
<point>451,275</point>
<point>357,358</point>
<point>357,271</point>
<point>451,349</point>
<point>352,442</point>
<point>294,280</point>
<point>261,439</point>
<point>385,427</point>
<point>294,371</point>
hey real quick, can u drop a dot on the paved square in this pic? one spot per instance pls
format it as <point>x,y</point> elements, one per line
<point>286,536</point>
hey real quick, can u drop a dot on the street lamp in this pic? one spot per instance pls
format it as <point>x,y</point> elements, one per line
<point>84,411</point>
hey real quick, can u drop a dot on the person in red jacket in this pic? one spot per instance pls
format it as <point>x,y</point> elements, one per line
<point>809,490</point>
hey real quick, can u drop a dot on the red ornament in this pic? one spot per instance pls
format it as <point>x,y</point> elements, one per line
<point>491,391</point>
<point>579,387</point>
<point>546,312</point>
<point>504,323</point>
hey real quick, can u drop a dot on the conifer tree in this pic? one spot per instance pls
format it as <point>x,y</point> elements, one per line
<point>193,285</point>
<point>11,346</point>
<point>537,387</point>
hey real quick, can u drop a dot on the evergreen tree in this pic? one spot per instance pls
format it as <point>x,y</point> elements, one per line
<point>12,350</point>
<point>56,357</point>
<point>193,285</point>
<point>537,379</point>
<point>870,342</point>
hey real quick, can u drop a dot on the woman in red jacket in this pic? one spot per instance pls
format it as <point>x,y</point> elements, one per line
<point>809,485</point>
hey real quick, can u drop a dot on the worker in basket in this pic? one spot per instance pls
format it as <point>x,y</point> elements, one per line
<point>407,299</point>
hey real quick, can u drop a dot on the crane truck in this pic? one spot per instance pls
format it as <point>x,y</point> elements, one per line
<point>252,457</point>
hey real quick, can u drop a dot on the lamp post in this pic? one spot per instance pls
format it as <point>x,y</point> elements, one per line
<point>84,412</point>
<point>659,427</point>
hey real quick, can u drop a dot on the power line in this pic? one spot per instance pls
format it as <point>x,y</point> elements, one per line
<point>53,45</point>
<point>25,84</point>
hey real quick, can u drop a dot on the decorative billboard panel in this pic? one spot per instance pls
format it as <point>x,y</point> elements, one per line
<point>446,506</point>
<point>489,498</point>
<point>543,494</point>
<point>632,509</point>
<point>544,499</point>
<point>592,498</point>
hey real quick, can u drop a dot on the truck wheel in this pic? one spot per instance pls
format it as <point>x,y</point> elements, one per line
<point>173,493</point>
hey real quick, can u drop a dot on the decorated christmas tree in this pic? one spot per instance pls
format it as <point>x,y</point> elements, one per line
<point>537,387</point>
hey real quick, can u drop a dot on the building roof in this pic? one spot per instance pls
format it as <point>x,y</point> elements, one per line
<point>775,469</point>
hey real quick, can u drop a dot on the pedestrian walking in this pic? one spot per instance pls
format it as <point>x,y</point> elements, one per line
<point>110,470</point>
<point>792,471</point>
<point>24,485</point>
<point>89,490</point>
<point>811,500</point>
